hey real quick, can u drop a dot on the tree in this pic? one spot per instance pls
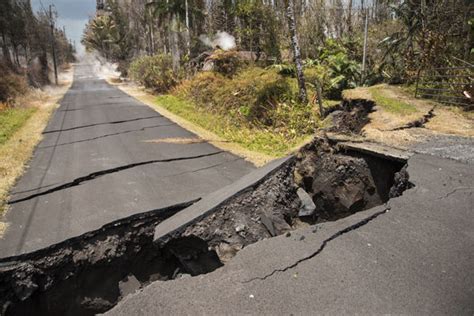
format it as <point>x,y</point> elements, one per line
<point>296,51</point>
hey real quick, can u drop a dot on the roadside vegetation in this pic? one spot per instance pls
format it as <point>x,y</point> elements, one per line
<point>391,104</point>
<point>11,120</point>
<point>264,73</point>
<point>26,66</point>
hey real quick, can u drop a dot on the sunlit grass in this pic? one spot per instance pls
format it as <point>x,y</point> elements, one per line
<point>256,139</point>
<point>12,120</point>
<point>391,104</point>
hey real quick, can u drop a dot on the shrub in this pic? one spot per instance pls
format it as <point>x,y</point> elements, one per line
<point>254,97</point>
<point>154,72</point>
<point>343,72</point>
<point>225,62</point>
<point>11,85</point>
<point>335,67</point>
<point>317,75</point>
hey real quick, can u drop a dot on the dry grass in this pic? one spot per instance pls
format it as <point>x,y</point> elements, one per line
<point>258,159</point>
<point>447,119</point>
<point>176,140</point>
<point>17,150</point>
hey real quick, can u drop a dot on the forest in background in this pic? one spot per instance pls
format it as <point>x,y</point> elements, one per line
<point>403,36</point>
<point>26,56</point>
<point>267,71</point>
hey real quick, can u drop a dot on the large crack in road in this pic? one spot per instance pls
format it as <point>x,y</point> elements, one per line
<point>101,173</point>
<point>91,273</point>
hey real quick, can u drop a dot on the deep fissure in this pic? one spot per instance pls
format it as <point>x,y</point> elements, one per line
<point>91,273</point>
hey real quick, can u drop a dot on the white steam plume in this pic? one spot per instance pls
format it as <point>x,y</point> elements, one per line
<point>222,39</point>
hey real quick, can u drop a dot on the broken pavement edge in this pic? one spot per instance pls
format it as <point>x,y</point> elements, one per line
<point>176,224</point>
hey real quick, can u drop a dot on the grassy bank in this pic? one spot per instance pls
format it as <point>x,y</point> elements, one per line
<point>20,132</point>
<point>391,103</point>
<point>268,141</point>
<point>11,120</point>
<point>256,108</point>
<point>17,149</point>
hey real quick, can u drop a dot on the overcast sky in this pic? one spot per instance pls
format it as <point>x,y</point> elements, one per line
<point>73,14</point>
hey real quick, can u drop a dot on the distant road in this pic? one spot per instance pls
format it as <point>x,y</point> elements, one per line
<point>99,161</point>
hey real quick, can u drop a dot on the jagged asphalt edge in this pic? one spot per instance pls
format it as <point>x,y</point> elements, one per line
<point>164,213</point>
<point>173,227</point>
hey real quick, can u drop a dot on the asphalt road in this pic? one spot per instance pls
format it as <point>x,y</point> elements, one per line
<point>96,164</point>
<point>414,256</point>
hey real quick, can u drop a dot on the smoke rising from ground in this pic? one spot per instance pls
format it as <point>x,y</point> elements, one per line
<point>222,40</point>
<point>101,67</point>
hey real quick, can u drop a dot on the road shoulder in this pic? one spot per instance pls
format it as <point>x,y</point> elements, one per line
<point>258,159</point>
<point>18,149</point>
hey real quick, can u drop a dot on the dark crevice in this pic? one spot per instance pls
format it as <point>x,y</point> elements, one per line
<point>105,123</point>
<point>323,245</point>
<point>101,268</point>
<point>350,116</point>
<point>89,274</point>
<point>107,135</point>
<point>337,184</point>
<point>416,123</point>
<point>101,173</point>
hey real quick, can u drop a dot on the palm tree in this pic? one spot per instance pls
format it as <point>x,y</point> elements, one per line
<point>175,13</point>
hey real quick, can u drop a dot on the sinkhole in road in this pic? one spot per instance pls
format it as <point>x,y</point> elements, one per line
<point>91,273</point>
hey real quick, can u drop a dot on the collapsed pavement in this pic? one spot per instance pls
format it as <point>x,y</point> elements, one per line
<point>412,255</point>
<point>93,272</point>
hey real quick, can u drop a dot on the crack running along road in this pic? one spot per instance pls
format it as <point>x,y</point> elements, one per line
<point>106,137</point>
<point>323,245</point>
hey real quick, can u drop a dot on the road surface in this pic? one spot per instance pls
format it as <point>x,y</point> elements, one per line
<point>414,256</point>
<point>99,161</point>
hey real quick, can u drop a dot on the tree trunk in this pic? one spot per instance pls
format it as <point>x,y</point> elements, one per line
<point>187,34</point>
<point>349,17</point>
<point>17,57</point>
<point>175,53</point>
<point>6,51</point>
<point>467,31</point>
<point>296,51</point>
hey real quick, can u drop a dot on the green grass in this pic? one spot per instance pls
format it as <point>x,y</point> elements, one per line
<point>12,120</point>
<point>264,141</point>
<point>391,104</point>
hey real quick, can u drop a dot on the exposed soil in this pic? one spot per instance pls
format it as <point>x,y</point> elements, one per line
<point>350,116</point>
<point>342,183</point>
<point>339,184</point>
<point>91,273</point>
<point>88,274</point>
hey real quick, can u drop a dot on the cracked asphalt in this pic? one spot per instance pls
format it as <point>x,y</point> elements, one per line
<point>414,255</point>
<point>96,165</point>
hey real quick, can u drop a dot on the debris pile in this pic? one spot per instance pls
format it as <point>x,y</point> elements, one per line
<point>342,183</point>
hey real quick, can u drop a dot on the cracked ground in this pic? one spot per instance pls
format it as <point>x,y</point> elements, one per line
<point>411,256</point>
<point>96,164</point>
